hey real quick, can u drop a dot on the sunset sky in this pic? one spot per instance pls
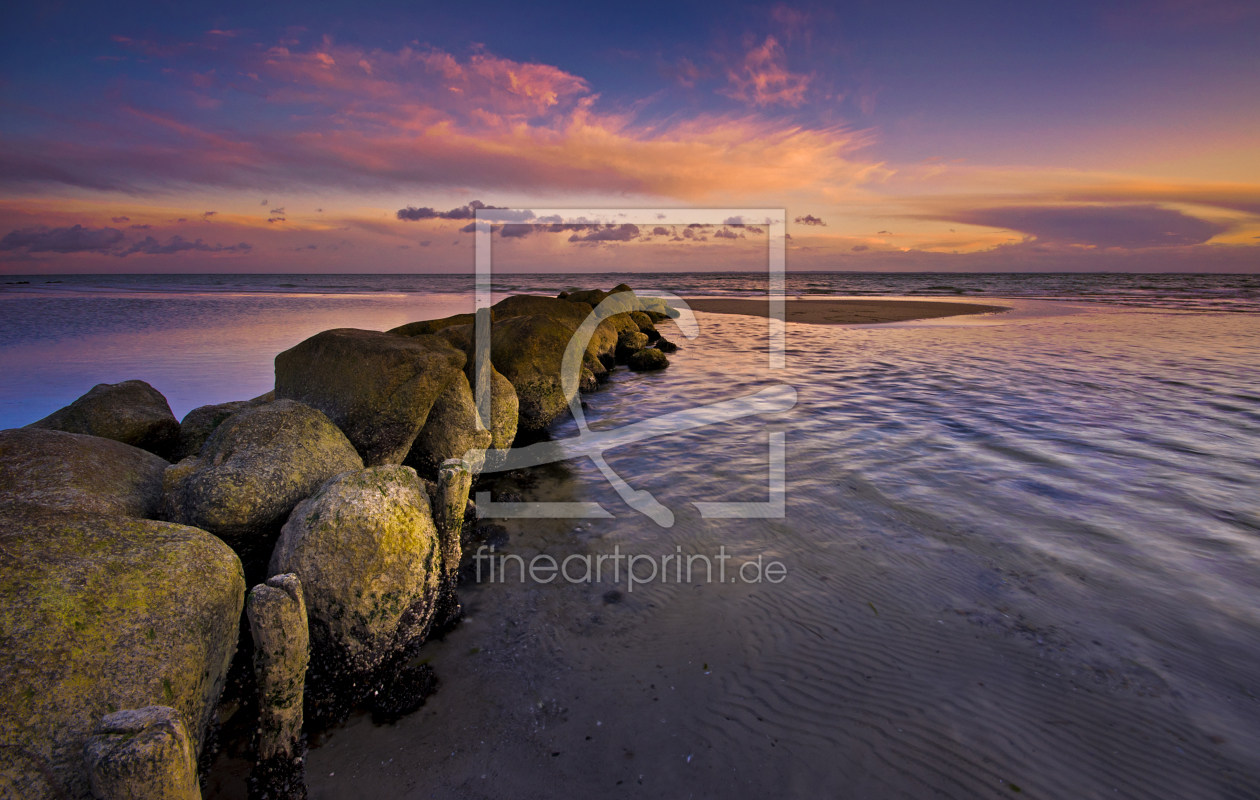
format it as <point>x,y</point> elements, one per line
<point>234,137</point>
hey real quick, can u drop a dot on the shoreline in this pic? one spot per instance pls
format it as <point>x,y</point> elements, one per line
<point>845,312</point>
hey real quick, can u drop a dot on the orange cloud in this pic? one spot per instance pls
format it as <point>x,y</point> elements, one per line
<point>763,78</point>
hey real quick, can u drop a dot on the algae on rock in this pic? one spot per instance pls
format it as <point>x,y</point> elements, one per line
<point>104,613</point>
<point>131,412</point>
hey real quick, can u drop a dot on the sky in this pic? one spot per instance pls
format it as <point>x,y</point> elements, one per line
<point>246,137</point>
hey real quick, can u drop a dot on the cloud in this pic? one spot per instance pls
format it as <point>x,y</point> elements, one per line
<point>611,233</point>
<point>422,117</point>
<point>1127,226</point>
<point>76,239</point>
<point>727,233</point>
<point>412,214</point>
<point>209,214</point>
<point>763,78</point>
<point>276,219</point>
<point>118,220</point>
<point>276,210</point>
<point>178,244</point>
<point>809,219</point>
<point>659,231</point>
<point>858,248</point>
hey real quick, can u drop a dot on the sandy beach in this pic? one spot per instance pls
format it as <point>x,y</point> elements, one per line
<point>845,312</point>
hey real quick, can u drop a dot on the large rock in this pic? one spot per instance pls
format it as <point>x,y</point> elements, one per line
<point>100,614</point>
<point>253,470</point>
<point>504,407</point>
<point>377,387</point>
<point>131,412</point>
<point>630,343</point>
<point>529,351</point>
<point>73,472</point>
<point>367,553</point>
<point>198,424</point>
<point>451,432</point>
<point>645,325</point>
<point>647,360</point>
<point>142,754</point>
<point>603,341</point>
<point>430,326</point>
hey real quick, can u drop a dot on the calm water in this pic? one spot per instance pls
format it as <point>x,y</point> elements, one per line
<point>1022,551</point>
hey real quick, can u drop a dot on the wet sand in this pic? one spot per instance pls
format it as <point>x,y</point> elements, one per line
<point>846,312</point>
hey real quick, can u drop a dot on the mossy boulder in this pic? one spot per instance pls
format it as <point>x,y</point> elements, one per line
<point>647,360</point>
<point>198,424</point>
<point>451,431</point>
<point>253,470</point>
<point>131,412</point>
<point>603,341</point>
<point>377,387</point>
<point>367,553</point>
<point>529,351</point>
<point>74,472</point>
<point>629,343</point>
<point>101,614</point>
<point>431,326</point>
<point>645,325</point>
<point>666,346</point>
<point>504,407</point>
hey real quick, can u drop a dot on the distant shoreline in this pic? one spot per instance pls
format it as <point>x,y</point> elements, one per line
<point>846,312</point>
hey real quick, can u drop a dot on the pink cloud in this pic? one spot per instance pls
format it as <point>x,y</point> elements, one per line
<point>763,78</point>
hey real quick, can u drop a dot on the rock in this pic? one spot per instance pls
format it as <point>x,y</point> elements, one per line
<point>277,623</point>
<point>529,352</point>
<point>647,360</point>
<point>629,343</point>
<point>103,613</point>
<point>588,382</point>
<point>368,555</point>
<point>377,387</point>
<point>431,326</point>
<point>199,423</point>
<point>74,472</point>
<point>451,432</point>
<point>603,340</point>
<point>504,412</point>
<point>666,346</point>
<point>450,502</point>
<point>645,325</point>
<point>131,412</point>
<point>253,470</point>
<point>591,297</point>
<point>523,305</point>
<point>143,754</point>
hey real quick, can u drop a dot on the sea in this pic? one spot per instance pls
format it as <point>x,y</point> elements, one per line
<point>1019,552</point>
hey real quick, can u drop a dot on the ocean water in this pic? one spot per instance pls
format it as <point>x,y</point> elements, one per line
<point>1022,551</point>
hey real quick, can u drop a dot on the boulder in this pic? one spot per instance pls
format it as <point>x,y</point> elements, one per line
<point>623,323</point>
<point>367,553</point>
<point>628,343</point>
<point>74,472</point>
<point>666,346</point>
<point>142,754</point>
<point>647,360</point>
<point>198,424</point>
<point>253,470</point>
<point>603,341</point>
<point>131,412</point>
<point>523,305</point>
<point>591,297</point>
<point>449,499</point>
<point>529,351</point>
<point>645,325</point>
<point>451,431</point>
<point>104,613</point>
<point>277,623</point>
<point>431,326</point>
<point>377,387</point>
<point>504,407</point>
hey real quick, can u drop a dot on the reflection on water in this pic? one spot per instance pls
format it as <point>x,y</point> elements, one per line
<point>1022,557</point>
